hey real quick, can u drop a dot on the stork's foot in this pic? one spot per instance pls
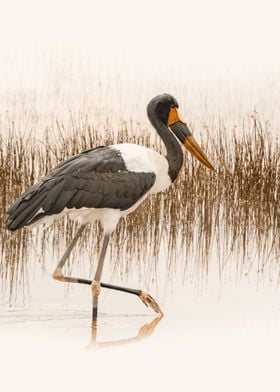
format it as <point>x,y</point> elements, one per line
<point>149,301</point>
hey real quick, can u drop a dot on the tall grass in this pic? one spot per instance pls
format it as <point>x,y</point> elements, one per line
<point>232,213</point>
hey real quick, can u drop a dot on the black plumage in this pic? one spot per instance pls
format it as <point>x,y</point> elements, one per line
<point>96,178</point>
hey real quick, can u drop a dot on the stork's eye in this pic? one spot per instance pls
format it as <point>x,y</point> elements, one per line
<point>172,106</point>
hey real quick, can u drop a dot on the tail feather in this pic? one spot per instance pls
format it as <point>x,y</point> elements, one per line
<point>22,212</point>
<point>44,198</point>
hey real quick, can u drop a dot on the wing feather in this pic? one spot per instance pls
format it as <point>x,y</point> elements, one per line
<point>93,179</point>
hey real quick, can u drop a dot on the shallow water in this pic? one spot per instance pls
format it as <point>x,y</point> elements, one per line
<point>216,280</point>
<point>208,250</point>
<point>226,338</point>
<point>213,267</point>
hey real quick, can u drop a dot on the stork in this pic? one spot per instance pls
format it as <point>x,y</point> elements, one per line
<point>107,183</point>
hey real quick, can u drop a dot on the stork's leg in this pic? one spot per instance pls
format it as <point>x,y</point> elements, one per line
<point>97,277</point>
<point>58,275</point>
<point>146,298</point>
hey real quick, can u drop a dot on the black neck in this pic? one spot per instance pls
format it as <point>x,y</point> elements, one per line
<point>174,151</point>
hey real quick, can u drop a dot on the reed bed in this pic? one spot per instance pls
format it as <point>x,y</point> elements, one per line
<point>231,216</point>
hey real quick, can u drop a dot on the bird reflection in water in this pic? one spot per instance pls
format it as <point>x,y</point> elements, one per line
<point>145,331</point>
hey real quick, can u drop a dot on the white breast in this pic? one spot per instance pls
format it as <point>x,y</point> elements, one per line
<point>142,159</point>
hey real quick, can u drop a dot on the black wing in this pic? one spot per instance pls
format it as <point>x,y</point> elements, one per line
<point>96,178</point>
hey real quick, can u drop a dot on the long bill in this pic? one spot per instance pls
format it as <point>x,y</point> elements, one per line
<point>182,132</point>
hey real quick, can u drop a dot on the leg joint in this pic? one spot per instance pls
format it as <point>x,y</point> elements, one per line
<point>95,286</point>
<point>58,275</point>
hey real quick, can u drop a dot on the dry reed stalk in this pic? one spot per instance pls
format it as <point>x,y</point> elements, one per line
<point>233,209</point>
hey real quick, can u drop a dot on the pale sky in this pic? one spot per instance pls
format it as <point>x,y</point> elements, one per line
<point>213,54</point>
<point>167,31</point>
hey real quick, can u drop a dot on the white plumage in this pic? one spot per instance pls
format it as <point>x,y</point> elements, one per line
<point>141,159</point>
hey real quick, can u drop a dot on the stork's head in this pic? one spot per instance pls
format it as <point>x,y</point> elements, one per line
<point>164,109</point>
